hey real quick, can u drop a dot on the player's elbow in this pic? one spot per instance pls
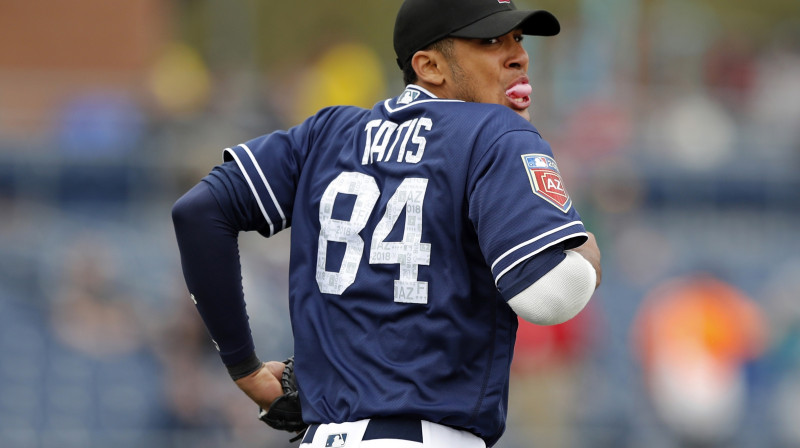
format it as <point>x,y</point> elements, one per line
<point>182,212</point>
<point>559,295</point>
<point>192,205</point>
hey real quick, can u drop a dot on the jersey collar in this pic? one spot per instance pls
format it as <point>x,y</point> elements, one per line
<point>412,95</point>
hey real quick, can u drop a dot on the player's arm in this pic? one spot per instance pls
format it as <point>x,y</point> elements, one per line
<point>545,263</point>
<point>555,285</point>
<point>591,252</point>
<point>207,225</point>
<point>207,222</point>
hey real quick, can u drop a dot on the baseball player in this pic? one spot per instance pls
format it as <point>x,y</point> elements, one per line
<point>421,230</point>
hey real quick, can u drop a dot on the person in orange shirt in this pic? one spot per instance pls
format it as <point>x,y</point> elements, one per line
<point>694,337</point>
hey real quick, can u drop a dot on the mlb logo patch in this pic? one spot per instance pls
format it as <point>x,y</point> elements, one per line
<point>408,97</point>
<point>503,1</point>
<point>546,180</point>
<point>336,440</point>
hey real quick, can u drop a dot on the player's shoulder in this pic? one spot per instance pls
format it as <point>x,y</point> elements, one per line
<point>500,118</point>
<point>333,119</point>
<point>498,128</point>
<point>340,112</point>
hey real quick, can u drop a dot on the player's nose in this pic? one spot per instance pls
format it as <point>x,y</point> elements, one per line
<point>518,57</point>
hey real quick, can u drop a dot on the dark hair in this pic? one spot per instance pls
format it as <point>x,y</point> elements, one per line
<point>443,46</point>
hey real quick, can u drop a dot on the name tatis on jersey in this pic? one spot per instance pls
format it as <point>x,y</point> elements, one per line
<point>384,136</point>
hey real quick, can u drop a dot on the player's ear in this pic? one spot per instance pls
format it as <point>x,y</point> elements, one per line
<point>429,66</point>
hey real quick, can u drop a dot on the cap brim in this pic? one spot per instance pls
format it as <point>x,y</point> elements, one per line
<point>536,23</point>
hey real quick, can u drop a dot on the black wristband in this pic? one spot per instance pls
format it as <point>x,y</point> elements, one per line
<point>244,368</point>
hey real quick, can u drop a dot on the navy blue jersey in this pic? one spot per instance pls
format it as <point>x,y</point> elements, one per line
<point>404,218</point>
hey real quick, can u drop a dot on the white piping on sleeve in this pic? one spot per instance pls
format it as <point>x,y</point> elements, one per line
<point>253,189</point>
<point>266,184</point>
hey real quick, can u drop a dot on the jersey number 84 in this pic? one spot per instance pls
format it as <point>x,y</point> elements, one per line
<point>408,253</point>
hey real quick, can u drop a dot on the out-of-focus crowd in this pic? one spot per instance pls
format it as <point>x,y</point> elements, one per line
<point>676,125</point>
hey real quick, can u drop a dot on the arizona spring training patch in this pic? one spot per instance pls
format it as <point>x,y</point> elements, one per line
<point>546,180</point>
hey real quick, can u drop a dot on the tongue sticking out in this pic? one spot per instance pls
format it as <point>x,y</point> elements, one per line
<point>519,91</point>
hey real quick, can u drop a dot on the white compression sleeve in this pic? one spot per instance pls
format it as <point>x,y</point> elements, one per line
<point>558,295</point>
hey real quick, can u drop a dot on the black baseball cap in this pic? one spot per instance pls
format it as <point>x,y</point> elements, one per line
<point>420,23</point>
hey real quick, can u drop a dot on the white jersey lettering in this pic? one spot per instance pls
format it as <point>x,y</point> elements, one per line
<point>377,146</point>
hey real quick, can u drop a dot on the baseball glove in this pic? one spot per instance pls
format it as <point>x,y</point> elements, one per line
<point>284,413</point>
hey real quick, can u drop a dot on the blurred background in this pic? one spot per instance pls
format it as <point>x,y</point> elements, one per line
<point>676,124</point>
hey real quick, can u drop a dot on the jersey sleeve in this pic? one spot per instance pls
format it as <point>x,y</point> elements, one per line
<point>518,202</point>
<point>252,190</point>
<point>270,166</point>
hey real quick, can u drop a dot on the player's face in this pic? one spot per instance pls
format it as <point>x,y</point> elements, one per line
<point>491,71</point>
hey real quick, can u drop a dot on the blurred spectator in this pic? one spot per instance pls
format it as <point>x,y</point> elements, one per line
<point>91,314</point>
<point>179,81</point>
<point>730,71</point>
<point>99,124</point>
<point>597,129</point>
<point>695,132</point>
<point>774,111</point>
<point>694,337</point>
<point>347,73</point>
<point>97,132</point>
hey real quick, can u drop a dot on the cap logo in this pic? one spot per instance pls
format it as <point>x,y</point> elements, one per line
<point>503,1</point>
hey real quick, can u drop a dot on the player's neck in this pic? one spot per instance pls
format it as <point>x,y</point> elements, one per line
<point>439,91</point>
